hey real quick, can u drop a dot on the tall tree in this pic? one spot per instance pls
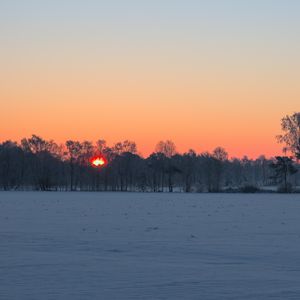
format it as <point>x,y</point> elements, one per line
<point>74,151</point>
<point>290,125</point>
<point>283,167</point>
<point>43,165</point>
<point>167,147</point>
<point>188,169</point>
<point>220,154</point>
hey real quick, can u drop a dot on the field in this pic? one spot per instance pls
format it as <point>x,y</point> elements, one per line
<point>149,246</point>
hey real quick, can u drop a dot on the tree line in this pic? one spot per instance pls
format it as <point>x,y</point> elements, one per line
<point>39,164</point>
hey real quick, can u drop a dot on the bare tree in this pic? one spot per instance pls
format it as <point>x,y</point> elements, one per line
<point>74,149</point>
<point>167,147</point>
<point>283,167</point>
<point>290,125</point>
<point>101,146</point>
<point>41,164</point>
<point>126,146</point>
<point>220,154</point>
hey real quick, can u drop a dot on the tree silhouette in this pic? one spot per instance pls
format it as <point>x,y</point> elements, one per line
<point>283,167</point>
<point>167,147</point>
<point>290,125</point>
<point>39,164</point>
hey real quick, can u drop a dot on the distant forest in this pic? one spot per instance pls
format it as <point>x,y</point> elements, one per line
<point>38,164</point>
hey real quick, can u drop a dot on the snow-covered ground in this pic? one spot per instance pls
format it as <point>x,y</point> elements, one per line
<point>149,246</point>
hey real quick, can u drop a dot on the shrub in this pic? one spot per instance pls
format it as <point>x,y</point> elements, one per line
<point>249,189</point>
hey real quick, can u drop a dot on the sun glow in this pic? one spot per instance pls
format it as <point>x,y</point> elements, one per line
<point>98,161</point>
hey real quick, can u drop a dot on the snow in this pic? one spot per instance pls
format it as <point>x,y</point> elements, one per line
<point>149,246</point>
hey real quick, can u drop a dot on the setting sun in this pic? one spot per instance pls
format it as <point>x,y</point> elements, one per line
<point>98,161</point>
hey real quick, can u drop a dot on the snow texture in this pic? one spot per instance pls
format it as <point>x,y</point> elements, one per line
<point>149,246</point>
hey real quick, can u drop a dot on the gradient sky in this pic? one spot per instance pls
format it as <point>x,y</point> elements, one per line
<point>202,73</point>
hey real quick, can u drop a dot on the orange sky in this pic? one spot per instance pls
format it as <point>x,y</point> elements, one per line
<point>203,82</point>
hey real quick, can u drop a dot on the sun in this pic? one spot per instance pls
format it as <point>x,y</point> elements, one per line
<point>98,162</point>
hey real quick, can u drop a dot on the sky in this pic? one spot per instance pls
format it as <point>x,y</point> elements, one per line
<point>202,73</point>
